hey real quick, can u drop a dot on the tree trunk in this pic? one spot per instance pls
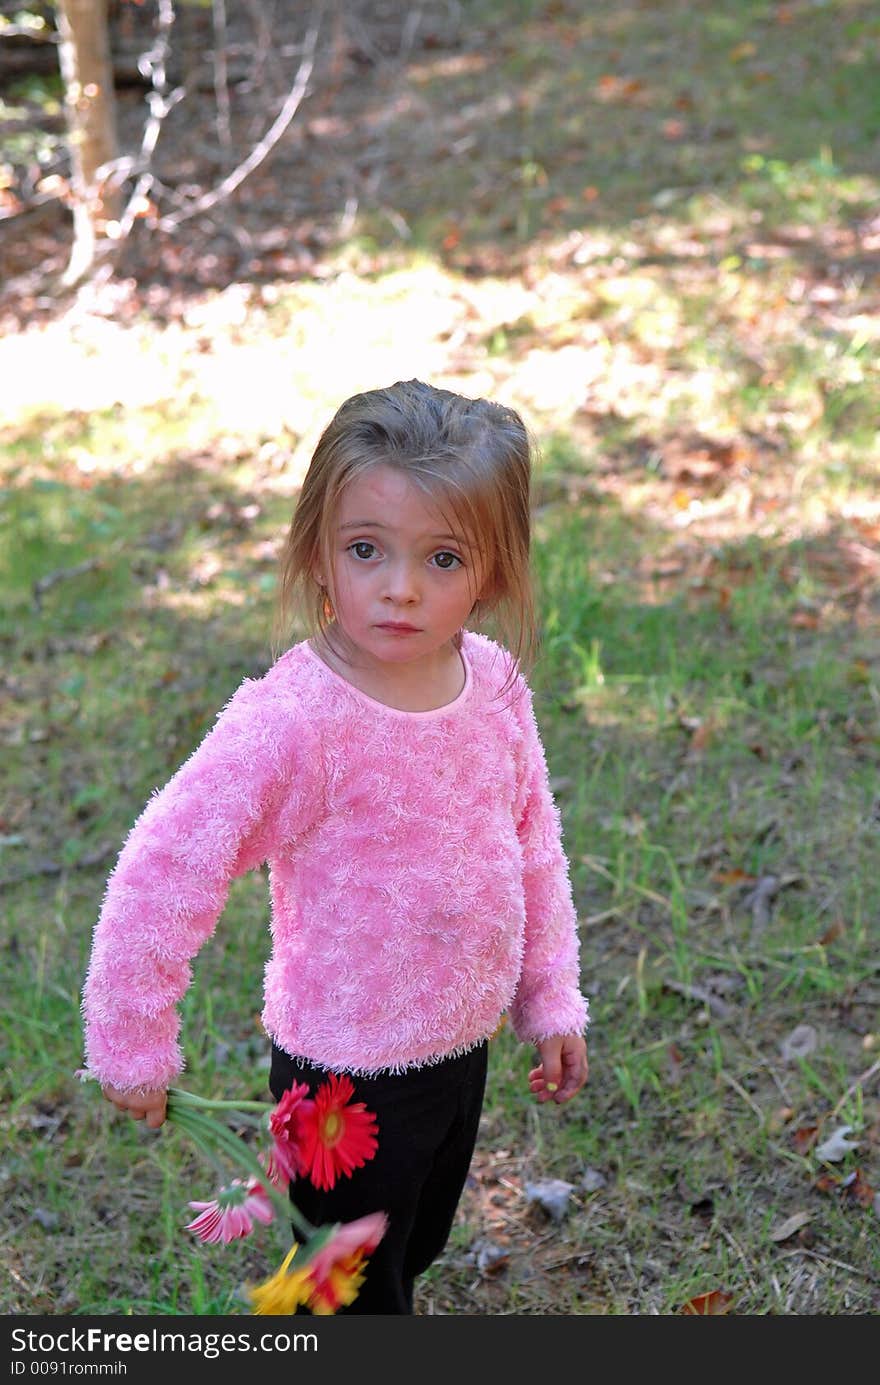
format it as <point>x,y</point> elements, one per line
<point>87,73</point>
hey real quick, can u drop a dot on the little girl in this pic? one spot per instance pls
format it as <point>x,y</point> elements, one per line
<point>390,771</point>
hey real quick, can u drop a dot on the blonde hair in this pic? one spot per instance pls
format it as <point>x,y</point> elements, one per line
<point>471,457</point>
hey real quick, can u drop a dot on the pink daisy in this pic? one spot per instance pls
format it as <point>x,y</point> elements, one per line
<point>232,1213</point>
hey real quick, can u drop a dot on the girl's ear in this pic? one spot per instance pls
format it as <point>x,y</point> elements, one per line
<point>316,572</point>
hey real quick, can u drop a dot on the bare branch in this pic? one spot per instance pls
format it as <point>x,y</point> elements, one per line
<point>266,144</point>
<point>221,75</point>
<point>861,1081</point>
<point>160,101</point>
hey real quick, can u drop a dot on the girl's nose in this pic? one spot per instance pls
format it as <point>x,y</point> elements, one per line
<point>401,583</point>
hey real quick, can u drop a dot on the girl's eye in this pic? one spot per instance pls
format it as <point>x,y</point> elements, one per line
<point>447,561</point>
<point>362,549</point>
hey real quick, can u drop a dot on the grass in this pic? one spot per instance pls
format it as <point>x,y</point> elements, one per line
<point>695,348</point>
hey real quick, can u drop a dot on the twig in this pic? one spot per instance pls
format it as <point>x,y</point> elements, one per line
<point>699,993</point>
<point>601,917</point>
<point>578,1255</point>
<point>593,863</point>
<point>266,144</point>
<point>160,101</point>
<point>265,54</point>
<point>31,31</point>
<point>410,29</point>
<point>42,584</point>
<point>734,1243</point>
<point>827,1260</point>
<point>741,1091</point>
<point>221,75</point>
<point>759,900</point>
<point>854,1086</point>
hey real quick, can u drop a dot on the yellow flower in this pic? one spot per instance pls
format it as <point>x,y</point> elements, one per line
<point>284,1292</point>
<point>332,1273</point>
<point>339,1288</point>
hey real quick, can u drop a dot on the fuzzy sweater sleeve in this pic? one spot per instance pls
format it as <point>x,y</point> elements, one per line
<point>249,786</point>
<point>548,1000</point>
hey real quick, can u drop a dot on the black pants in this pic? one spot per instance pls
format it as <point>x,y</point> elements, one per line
<point>427,1127</point>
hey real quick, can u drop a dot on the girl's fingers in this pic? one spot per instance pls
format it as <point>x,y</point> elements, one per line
<point>150,1107</point>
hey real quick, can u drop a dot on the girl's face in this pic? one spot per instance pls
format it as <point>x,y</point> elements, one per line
<point>402,584</point>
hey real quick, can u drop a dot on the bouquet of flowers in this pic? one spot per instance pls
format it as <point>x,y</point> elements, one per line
<point>320,1138</point>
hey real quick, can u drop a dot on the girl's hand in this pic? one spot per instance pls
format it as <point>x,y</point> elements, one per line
<point>563,1068</point>
<point>143,1106</point>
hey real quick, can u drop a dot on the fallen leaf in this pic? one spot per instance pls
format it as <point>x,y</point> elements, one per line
<point>610,86</point>
<point>827,1183</point>
<point>759,901</point>
<point>734,877</point>
<point>713,1304</point>
<point>859,671</point>
<point>780,1117</point>
<point>592,1180</point>
<point>674,1061</point>
<point>695,457</point>
<point>832,933</point>
<point>552,1195</point>
<point>47,1220</point>
<point>800,1042</point>
<point>804,620</point>
<point>805,1138</point>
<point>488,1256</point>
<point>701,737</point>
<point>785,1229</point>
<point>859,1189</point>
<point>837,1146</point>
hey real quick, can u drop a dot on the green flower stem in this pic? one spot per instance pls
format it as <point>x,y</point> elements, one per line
<point>206,1131</point>
<point>206,1148</point>
<point>178,1097</point>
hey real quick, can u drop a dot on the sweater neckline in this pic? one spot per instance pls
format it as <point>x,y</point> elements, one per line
<point>360,696</point>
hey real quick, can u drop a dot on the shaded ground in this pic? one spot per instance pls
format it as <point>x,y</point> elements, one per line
<point>454,129</point>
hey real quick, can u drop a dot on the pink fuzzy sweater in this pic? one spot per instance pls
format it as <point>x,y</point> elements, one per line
<point>418,883</point>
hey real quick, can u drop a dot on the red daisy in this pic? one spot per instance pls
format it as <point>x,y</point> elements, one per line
<point>287,1124</point>
<point>337,1135</point>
